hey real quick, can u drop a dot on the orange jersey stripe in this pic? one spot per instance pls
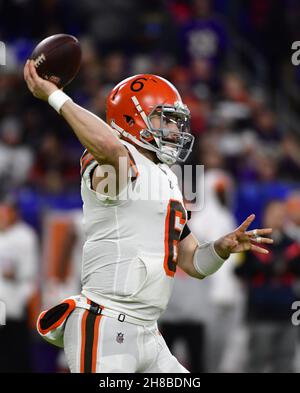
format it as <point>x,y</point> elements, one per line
<point>167,230</point>
<point>85,160</point>
<point>84,164</point>
<point>95,343</point>
<point>83,339</point>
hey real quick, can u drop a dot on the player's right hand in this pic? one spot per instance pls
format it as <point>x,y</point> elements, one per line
<point>38,86</point>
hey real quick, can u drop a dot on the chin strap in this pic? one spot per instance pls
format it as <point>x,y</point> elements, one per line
<point>126,134</point>
<point>166,158</point>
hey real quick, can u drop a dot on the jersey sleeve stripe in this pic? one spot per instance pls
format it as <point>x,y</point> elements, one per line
<point>83,156</point>
<point>85,161</point>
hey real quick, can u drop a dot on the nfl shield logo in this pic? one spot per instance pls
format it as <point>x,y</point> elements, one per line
<point>120,338</point>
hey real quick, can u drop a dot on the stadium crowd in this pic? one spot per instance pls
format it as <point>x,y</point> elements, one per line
<point>231,62</point>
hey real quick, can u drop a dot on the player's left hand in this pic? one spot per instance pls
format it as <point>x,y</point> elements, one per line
<point>243,240</point>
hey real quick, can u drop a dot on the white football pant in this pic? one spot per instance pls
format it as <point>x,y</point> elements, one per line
<point>103,344</point>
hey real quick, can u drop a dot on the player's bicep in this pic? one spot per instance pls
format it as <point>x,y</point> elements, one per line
<point>186,251</point>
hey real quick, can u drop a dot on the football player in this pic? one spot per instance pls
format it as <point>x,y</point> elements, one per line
<point>133,244</point>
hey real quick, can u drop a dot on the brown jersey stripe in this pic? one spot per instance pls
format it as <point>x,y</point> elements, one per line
<point>85,158</point>
<point>85,161</point>
<point>89,342</point>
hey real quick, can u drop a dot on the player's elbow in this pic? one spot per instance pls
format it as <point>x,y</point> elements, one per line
<point>188,267</point>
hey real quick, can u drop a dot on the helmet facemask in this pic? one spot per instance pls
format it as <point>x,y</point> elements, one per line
<point>168,133</point>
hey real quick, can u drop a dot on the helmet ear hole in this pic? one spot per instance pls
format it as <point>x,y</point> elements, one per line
<point>129,120</point>
<point>147,136</point>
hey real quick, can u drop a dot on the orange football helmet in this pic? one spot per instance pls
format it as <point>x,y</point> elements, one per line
<point>148,111</point>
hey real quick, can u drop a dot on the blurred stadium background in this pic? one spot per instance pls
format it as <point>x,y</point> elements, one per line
<point>231,61</point>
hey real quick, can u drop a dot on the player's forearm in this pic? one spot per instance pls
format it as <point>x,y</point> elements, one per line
<point>198,260</point>
<point>92,132</point>
<point>186,251</point>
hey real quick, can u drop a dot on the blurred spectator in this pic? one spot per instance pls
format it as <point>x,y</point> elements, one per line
<point>293,215</point>
<point>269,280</point>
<point>110,22</point>
<point>142,64</point>
<point>15,158</point>
<point>54,17</point>
<point>114,68</point>
<point>181,77</point>
<point>33,124</point>
<point>53,170</point>
<point>18,275</point>
<point>265,165</point>
<point>265,24</point>
<point>204,35</point>
<point>266,127</point>
<point>209,153</point>
<point>205,81</point>
<point>289,163</point>
<point>235,107</point>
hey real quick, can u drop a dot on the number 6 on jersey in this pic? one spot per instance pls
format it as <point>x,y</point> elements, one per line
<point>175,221</point>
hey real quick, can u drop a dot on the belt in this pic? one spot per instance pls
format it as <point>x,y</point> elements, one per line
<point>101,310</point>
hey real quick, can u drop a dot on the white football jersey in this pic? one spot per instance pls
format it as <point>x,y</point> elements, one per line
<point>129,257</point>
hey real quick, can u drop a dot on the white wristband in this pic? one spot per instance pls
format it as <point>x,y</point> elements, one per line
<point>206,260</point>
<point>57,99</point>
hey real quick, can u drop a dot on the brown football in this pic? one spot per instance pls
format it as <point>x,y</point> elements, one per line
<point>57,58</point>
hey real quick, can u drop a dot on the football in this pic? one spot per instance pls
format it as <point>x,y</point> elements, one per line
<point>57,58</point>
